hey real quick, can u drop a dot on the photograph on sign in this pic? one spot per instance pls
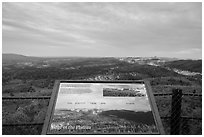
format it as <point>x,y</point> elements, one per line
<point>102,108</point>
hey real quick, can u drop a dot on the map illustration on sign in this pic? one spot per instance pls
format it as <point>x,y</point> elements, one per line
<point>102,108</point>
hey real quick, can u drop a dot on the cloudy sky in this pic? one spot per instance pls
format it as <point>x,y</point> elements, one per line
<point>103,29</point>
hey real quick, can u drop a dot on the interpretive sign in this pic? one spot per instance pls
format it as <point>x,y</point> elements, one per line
<point>102,107</point>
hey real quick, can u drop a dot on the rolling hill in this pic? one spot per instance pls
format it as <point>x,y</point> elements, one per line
<point>188,65</point>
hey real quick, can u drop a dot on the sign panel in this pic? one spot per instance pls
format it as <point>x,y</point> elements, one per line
<point>101,108</point>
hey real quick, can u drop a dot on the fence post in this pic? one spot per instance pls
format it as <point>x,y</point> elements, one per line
<point>176,111</point>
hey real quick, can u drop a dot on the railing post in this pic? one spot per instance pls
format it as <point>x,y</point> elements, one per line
<point>176,111</point>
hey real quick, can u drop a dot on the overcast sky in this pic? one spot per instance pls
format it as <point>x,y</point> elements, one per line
<point>103,29</point>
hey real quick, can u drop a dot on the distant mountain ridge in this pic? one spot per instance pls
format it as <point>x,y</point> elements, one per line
<point>173,63</point>
<point>20,56</point>
<point>14,58</point>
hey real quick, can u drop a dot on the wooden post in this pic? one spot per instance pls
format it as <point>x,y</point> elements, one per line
<point>176,111</point>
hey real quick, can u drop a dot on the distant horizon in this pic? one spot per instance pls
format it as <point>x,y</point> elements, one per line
<point>104,56</point>
<point>103,29</point>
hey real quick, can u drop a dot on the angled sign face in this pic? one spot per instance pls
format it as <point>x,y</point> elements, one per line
<point>102,107</point>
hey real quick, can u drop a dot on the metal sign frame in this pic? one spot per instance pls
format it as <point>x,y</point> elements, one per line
<point>52,103</point>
